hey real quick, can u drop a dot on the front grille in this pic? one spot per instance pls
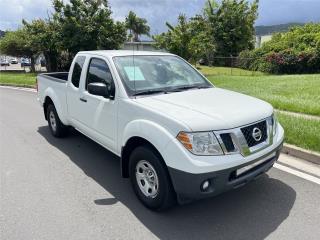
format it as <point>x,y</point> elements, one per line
<point>227,141</point>
<point>248,133</point>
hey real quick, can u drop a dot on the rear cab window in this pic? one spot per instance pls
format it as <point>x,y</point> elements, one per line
<point>77,69</point>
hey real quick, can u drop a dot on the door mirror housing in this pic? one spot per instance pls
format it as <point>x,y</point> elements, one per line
<point>101,89</point>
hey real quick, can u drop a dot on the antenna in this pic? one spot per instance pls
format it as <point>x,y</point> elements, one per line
<point>134,69</point>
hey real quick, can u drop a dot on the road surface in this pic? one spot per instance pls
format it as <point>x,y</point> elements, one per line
<point>71,189</point>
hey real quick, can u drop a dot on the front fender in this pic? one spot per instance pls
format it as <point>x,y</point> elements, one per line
<point>154,133</point>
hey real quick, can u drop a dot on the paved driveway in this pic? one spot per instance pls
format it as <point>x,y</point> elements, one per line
<point>71,189</point>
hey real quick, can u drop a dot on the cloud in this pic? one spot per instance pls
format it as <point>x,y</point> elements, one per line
<point>157,12</point>
<point>284,11</point>
<point>13,11</point>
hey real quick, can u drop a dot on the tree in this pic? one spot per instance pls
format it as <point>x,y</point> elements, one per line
<point>14,44</point>
<point>224,29</point>
<point>136,26</point>
<point>189,39</point>
<point>31,40</point>
<point>177,39</point>
<point>202,44</point>
<point>17,43</point>
<point>43,39</point>
<point>232,25</point>
<point>86,25</point>
<point>76,26</point>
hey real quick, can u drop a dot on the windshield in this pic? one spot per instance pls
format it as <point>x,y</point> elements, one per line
<point>156,74</point>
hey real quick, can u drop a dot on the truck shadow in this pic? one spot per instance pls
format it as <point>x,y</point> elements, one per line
<point>251,212</point>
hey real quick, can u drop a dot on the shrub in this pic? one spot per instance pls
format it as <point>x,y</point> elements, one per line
<point>297,51</point>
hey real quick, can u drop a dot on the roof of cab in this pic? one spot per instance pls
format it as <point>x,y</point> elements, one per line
<point>118,53</point>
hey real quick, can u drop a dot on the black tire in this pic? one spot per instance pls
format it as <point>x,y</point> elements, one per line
<point>165,197</point>
<point>59,130</point>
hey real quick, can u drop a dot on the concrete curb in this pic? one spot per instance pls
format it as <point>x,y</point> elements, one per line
<point>299,115</point>
<point>17,85</point>
<point>298,152</point>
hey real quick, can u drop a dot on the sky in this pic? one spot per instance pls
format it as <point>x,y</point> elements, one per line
<point>157,12</point>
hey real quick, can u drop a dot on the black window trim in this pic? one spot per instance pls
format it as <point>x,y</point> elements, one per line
<point>87,73</point>
<point>82,68</point>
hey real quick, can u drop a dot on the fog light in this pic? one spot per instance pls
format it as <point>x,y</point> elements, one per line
<point>205,185</point>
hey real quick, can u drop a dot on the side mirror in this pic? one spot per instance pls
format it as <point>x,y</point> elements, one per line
<point>101,89</point>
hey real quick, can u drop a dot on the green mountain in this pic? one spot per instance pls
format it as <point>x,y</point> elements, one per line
<point>1,33</point>
<point>267,30</point>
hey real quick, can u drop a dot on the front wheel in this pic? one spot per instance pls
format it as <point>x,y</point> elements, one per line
<point>150,179</point>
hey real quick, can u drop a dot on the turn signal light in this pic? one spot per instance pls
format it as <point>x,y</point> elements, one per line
<point>184,139</point>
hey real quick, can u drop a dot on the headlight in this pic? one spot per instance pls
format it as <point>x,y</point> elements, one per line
<point>200,143</point>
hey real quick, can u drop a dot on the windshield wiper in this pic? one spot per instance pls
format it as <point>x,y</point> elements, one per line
<point>187,87</point>
<point>148,92</point>
<point>165,91</point>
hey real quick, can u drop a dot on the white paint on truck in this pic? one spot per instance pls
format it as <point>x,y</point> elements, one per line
<point>199,131</point>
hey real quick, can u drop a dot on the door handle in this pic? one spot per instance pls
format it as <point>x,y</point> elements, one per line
<point>83,100</point>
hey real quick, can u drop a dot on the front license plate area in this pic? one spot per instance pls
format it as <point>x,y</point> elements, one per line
<point>247,168</point>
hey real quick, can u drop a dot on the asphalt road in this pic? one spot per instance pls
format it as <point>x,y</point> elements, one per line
<point>71,189</point>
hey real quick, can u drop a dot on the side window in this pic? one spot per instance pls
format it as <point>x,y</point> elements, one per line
<point>99,72</point>
<point>76,73</point>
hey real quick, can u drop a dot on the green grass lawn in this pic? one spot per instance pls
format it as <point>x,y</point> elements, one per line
<point>295,93</point>
<point>23,79</point>
<point>301,132</point>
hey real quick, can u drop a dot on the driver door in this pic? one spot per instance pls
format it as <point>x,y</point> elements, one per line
<point>100,116</point>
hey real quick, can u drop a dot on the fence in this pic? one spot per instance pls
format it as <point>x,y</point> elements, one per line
<point>226,66</point>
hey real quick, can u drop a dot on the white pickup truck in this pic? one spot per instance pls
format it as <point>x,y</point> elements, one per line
<point>178,137</point>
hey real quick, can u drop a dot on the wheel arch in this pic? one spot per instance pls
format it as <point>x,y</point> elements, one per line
<point>129,147</point>
<point>142,132</point>
<point>52,98</point>
<point>47,102</point>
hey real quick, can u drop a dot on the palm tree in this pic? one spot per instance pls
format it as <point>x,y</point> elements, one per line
<point>136,26</point>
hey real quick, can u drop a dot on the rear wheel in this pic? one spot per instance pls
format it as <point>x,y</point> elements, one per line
<point>57,128</point>
<point>150,179</point>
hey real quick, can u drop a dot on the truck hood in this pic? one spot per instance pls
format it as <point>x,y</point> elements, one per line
<point>209,109</point>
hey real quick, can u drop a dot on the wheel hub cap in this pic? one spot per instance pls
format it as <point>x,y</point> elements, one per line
<point>147,179</point>
<point>53,122</point>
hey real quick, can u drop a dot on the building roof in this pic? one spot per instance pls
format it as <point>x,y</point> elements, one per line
<point>140,43</point>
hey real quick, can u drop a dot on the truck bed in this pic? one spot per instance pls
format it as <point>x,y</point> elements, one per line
<point>54,86</point>
<point>56,76</point>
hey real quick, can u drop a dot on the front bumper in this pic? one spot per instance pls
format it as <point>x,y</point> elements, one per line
<point>188,185</point>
